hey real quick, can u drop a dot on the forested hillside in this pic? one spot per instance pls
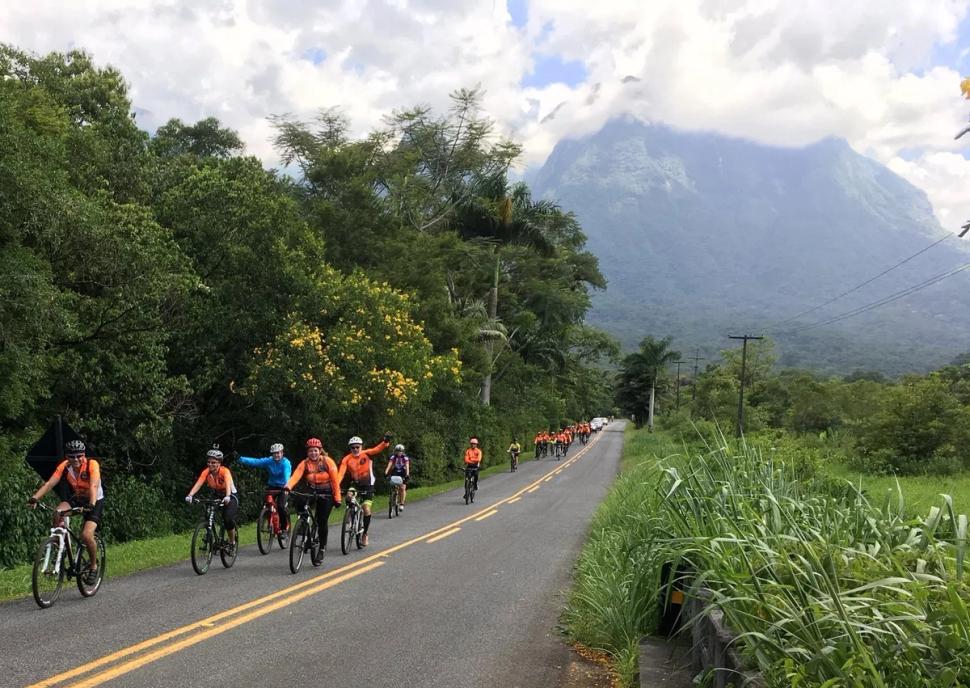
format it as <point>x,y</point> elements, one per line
<point>165,291</point>
<point>701,235</point>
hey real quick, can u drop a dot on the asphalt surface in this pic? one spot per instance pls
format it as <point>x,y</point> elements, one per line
<point>476,607</point>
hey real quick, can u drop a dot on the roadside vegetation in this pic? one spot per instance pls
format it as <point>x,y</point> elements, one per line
<point>832,536</point>
<point>822,584</point>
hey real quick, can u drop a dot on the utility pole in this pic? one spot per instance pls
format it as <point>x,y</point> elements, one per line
<point>695,358</point>
<point>744,356</point>
<point>678,383</point>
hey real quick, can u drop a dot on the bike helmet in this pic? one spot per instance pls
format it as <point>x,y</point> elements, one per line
<point>473,440</point>
<point>355,440</point>
<point>273,448</point>
<point>214,454</point>
<point>398,447</point>
<point>74,447</point>
<point>314,442</point>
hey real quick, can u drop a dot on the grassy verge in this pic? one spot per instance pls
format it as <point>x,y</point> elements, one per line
<point>613,602</point>
<point>920,492</point>
<point>139,555</point>
<point>824,585</point>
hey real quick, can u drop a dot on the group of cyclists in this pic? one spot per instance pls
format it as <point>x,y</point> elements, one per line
<point>77,480</point>
<point>556,443</point>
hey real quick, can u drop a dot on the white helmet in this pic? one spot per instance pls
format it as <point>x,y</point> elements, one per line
<point>398,447</point>
<point>214,454</point>
<point>355,440</point>
<point>273,448</point>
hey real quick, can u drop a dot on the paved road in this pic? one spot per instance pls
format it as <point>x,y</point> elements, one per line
<point>446,595</point>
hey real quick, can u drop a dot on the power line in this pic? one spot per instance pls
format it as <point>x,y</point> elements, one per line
<point>868,281</point>
<point>883,301</point>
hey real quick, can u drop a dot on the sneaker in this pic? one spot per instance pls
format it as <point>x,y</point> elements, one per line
<point>363,540</point>
<point>400,507</point>
<point>91,576</point>
<point>285,535</point>
<point>231,549</point>
<point>316,559</point>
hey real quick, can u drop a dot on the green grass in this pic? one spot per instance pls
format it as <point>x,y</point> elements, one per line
<point>140,555</point>
<point>920,492</point>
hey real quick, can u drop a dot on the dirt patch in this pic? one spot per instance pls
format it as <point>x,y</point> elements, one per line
<point>588,668</point>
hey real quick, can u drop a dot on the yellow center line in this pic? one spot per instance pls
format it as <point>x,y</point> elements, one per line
<point>138,662</point>
<point>330,579</point>
<point>487,514</point>
<point>442,535</point>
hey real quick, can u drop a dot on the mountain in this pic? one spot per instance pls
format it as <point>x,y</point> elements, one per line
<point>701,236</point>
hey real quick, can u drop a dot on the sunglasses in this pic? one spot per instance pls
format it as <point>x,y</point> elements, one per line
<point>75,456</point>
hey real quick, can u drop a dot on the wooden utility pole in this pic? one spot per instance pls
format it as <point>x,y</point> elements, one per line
<point>695,358</point>
<point>744,356</point>
<point>678,383</point>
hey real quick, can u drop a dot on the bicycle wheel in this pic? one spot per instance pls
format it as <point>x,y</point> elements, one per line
<point>391,502</point>
<point>316,546</point>
<point>202,548</point>
<point>397,502</point>
<point>359,528</point>
<point>47,577</point>
<point>227,550</point>
<point>297,544</point>
<point>468,490</point>
<point>281,534</point>
<point>264,531</point>
<point>89,589</point>
<point>347,529</point>
<point>471,493</point>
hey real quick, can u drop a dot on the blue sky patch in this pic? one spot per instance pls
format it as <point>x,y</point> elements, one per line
<point>315,55</point>
<point>956,53</point>
<point>551,69</point>
<point>519,11</point>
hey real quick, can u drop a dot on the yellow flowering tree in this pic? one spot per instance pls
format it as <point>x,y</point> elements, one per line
<point>355,351</point>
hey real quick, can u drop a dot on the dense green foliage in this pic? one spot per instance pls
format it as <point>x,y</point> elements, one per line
<point>919,424</point>
<point>165,292</point>
<point>822,586</point>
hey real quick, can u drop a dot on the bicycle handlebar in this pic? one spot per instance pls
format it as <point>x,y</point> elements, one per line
<point>62,512</point>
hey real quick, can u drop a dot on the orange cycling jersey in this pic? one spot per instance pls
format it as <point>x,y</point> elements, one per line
<point>361,467</point>
<point>473,456</point>
<point>216,481</point>
<point>318,474</point>
<point>87,473</point>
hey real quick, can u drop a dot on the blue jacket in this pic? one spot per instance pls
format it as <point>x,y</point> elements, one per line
<point>279,472</point>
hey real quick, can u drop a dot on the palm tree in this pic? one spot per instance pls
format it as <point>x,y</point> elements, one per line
<point>499,216</point>
<point>638,377</point>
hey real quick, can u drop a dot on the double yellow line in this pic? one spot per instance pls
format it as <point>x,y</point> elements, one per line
<point>140,654</point>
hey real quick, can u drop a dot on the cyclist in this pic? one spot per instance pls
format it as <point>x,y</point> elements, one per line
<point>514,450</point>
<point>400,465</point>
<point>473,459</point>
<point>84,478</point>
<point>278,471</point>
<point>359,465</point>
<point>553,444</point>
<point>538,443</point>
<point>218,478</point>
<point>322,479</point>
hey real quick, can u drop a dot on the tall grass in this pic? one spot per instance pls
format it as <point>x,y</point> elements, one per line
<point>823,587</point>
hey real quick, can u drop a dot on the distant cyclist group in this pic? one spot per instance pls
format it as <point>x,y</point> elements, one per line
<point>77,480</point>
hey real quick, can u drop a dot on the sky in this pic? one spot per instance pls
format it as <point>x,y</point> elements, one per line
<point>882,74</point>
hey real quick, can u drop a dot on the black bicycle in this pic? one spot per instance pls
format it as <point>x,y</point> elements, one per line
<point>352,527</point>
<point>206,541</point>
<point>470,474</point>
<point>306,535</point>
<point>394,496</point>
<point>62,555</point>
<point>513,461</point>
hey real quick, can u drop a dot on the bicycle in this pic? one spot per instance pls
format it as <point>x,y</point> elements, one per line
<point>352,527</point>
<point>513,461</point>
<point>63,555</point>
<point>268,525</point>
<point>306,535</point>
<point>205,541</point>
<point>470,485</point>
<point>394,496</point>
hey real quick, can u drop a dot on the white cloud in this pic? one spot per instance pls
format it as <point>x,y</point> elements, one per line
<point>774,71</point>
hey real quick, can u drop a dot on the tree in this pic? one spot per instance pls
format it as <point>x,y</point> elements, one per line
<point>638,377</point>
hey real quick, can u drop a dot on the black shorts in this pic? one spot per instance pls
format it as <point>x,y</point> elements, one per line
<point>365,493</point>
<point>95,514</point>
